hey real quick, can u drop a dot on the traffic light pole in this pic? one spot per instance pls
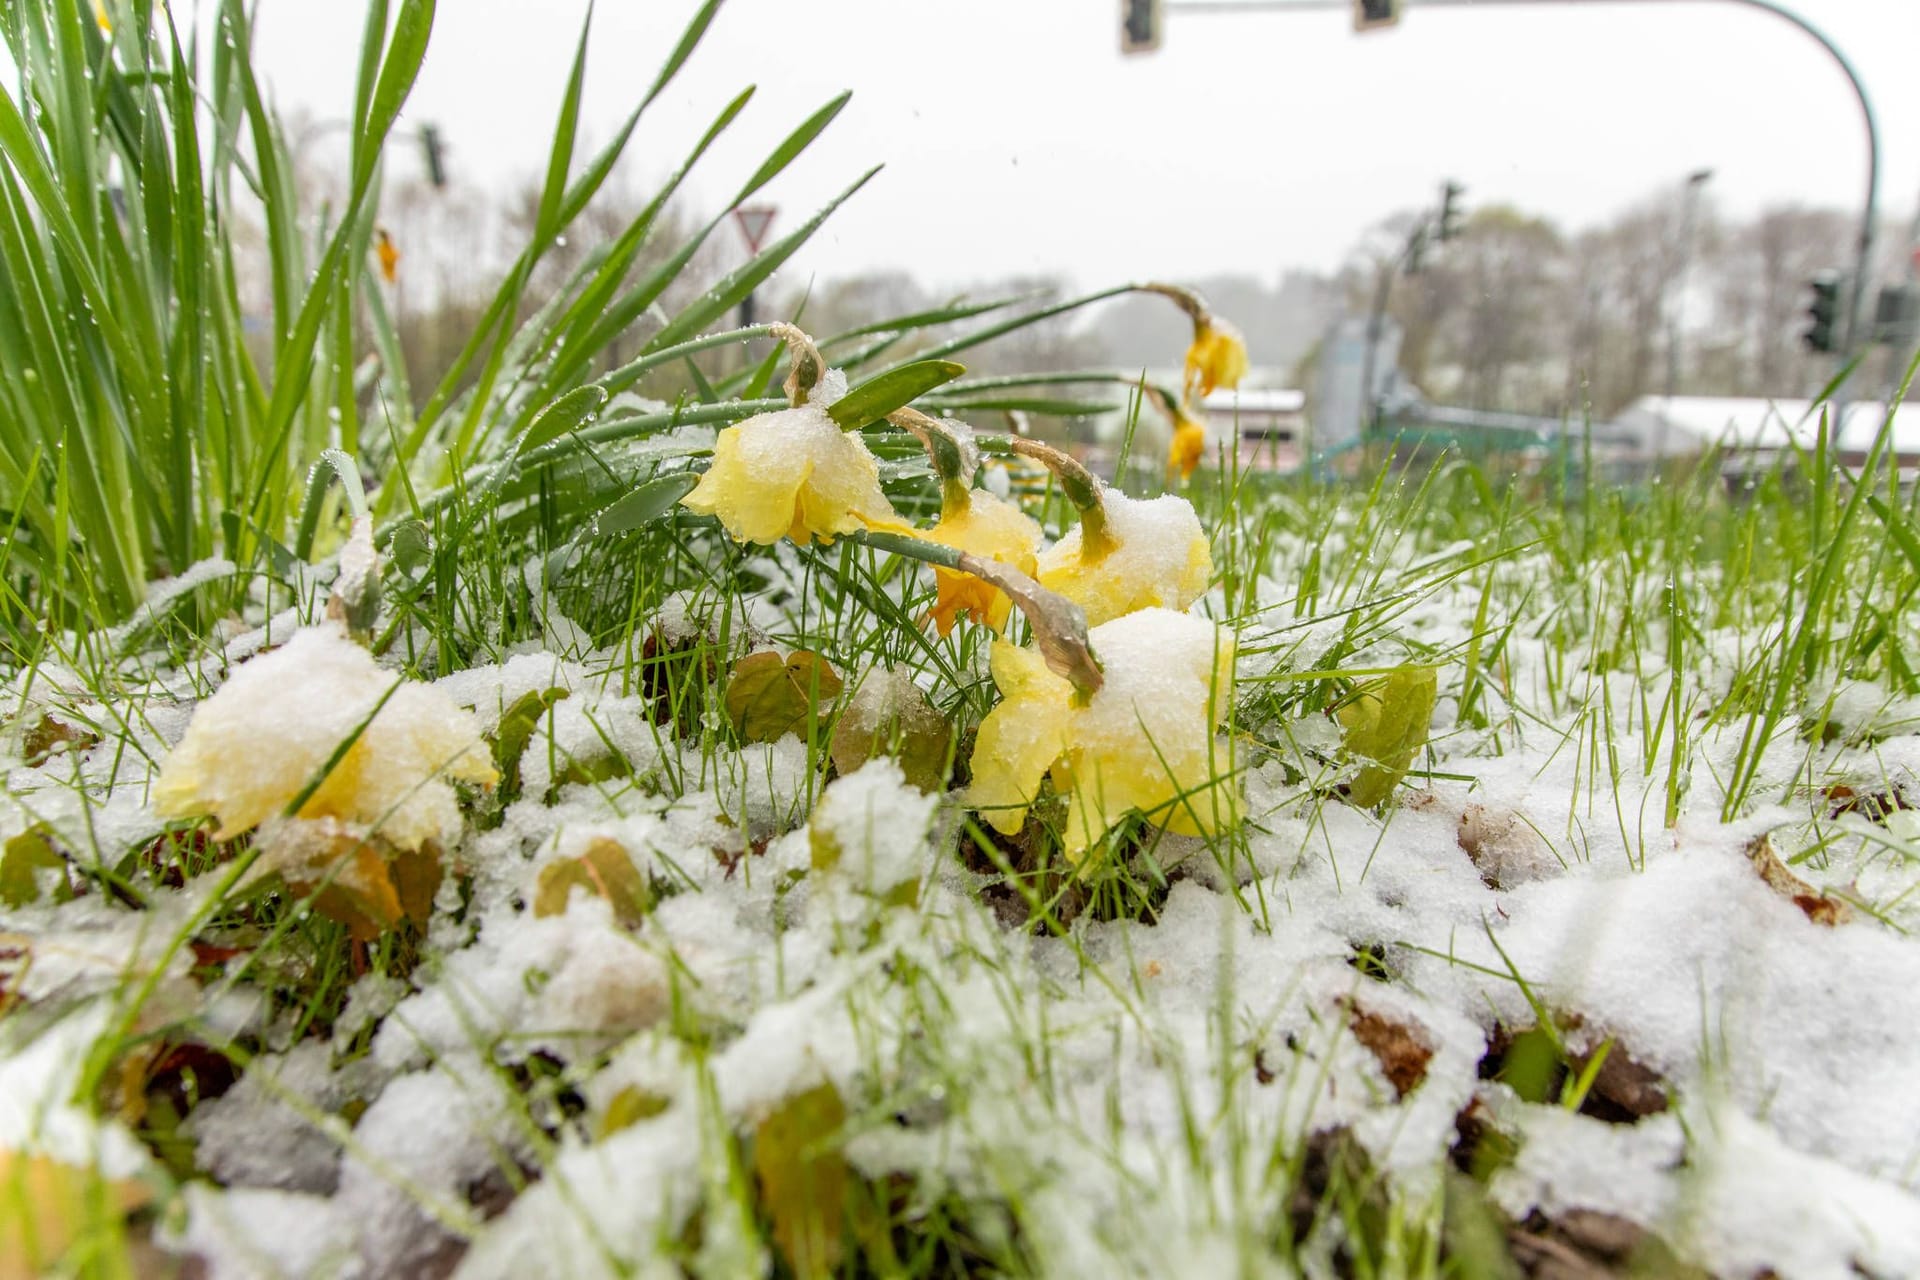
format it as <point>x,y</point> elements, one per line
<point>1856,299</point>
<point>1376,321</point>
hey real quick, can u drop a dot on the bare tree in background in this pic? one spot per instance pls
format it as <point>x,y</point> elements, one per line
<point>1761,279</point>
<point>836,306</point>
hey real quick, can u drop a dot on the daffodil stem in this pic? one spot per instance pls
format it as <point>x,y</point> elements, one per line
<point>1059,625</point>
<point>1081,488</point>
<point>1186,299</point>
<point>945,453</point>
<point>899,544</point>
<point>808,365</point>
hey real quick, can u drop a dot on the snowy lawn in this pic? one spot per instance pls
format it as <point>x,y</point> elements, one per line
<point>590,808</point>
<point>1618,975</point>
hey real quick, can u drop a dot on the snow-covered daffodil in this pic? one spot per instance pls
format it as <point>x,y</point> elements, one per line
<point>792,474</point>
<point>1217,358</point>
<point>258,742</point>
<point>1144,742</point>
<point>1154,553</point>
<point>1188,447</point>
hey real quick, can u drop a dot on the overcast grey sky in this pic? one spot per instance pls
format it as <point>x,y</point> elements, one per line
<point>1017,138</point>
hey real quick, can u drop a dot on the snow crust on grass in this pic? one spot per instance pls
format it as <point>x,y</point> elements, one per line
<point>1120,1097</point>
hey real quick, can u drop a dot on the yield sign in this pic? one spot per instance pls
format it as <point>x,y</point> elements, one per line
<point>754,219</point>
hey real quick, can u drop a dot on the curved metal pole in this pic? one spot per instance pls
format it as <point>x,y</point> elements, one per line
<point>1864,250</point>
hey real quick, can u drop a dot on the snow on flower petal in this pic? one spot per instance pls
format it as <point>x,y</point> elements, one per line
<point>997,530</point>
<point>792,474</point>
<point>1160,559</point>
<point>1145,742</point>
<point>268,731</point>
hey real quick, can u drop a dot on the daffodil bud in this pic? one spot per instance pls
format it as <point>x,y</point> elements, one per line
<point>807,367</point>
<point>951,450</point>
<point>1082,488</point>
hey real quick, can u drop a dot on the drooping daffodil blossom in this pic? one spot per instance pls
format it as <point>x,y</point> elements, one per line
<point>1145,742</point>
<point>1153,554</point>
<point>1217,358</point>
<point>1189,445</point>
<point>253,748</point>
<point>986,526</point>
<point>973,521</point>
<point>794,474</point>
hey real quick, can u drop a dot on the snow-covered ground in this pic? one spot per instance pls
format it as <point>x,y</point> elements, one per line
<point>1309,1048</point>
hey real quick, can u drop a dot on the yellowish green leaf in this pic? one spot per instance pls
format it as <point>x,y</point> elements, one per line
<point>803,1180</point>
<point>26,857</point>
<point>769,697</point>
<point>1386,724</point>
<point>629,1107</point>
<point>510,740</point>
<point>361,894</point>
<point>45,1206</point>
<point>890,716</point>
<point>604,870</point>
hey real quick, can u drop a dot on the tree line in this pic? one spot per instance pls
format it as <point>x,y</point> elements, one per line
<point>1517,314</point>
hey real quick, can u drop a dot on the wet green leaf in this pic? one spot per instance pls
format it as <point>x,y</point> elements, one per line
<point>646,504</point>
<point>562,416</point>
<point>629,1107</point>
<point>769,697</point>
<point>880,395</point>
<point>516,730</point>
<point>1386,724</point>
<point>411,547</point>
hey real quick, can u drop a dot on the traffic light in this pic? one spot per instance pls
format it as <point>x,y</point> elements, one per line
<point>436,161</point>
<point>1139,26</point>
<point>1450,194</point>
<point>1825,309</point>
<point>1370,15</point>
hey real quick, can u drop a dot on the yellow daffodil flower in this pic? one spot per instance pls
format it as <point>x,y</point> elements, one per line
<point>256,744</point>
<point>1145,742</point>
<point>792,474</point>
<point>1158,557</point>
<point>1188,447</point>
<point>1217,358</point>
<point>389,255</point>
<point>985,526</point>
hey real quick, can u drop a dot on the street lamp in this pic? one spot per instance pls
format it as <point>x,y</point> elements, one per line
<point>1676,311</point>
